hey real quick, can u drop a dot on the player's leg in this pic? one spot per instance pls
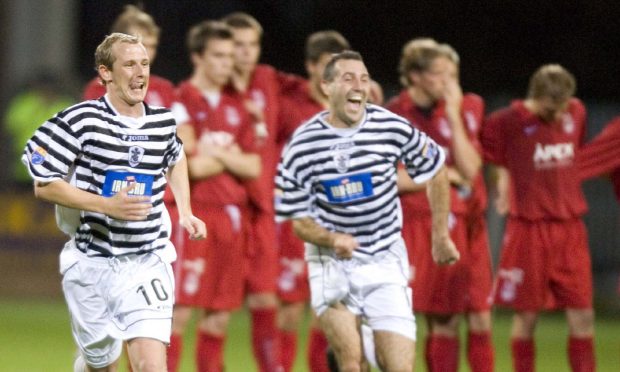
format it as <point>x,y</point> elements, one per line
<point>290,317</point>
<point>522,340</point>
<point>147,354</point>
<point>341,328</point>
<point>181,316</point>
<point>443,345</point>
<point>581,339</point>
<point>395,352</point>
<point>480,352</point>
<point>210,340</point>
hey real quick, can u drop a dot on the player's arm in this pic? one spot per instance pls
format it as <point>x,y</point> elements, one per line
<point>405,184</point>
<point>178,180</point>
<point>244,165</point>
<point>120,206</point>
<point>438,193</point>
<point>500,188</point>
<point>467,160</point>
<point>199,165</point>
<point>310,231</point>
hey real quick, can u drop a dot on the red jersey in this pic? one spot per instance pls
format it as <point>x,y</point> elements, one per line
<point>436,125</point>
<point>227,123</point>
<point>160,92</point>
<point>540,158</point>
<point>297,106</point>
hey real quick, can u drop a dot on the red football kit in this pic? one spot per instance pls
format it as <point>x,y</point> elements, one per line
<point>545,262</point>
<point>297,106</point>
<point>466,285</point>
<point>211,273</point>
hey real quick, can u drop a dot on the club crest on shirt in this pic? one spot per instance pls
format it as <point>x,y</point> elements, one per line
<point>429,150</point>
<point>259,98</point>
<point>135,155</point>
<point>471,121</point>
<point>232,116</point>
<point>568,124</point>
<point>38,156</point>
<point>341,155</point>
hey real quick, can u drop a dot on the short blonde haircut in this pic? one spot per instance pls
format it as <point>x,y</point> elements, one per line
<point>103,53</point>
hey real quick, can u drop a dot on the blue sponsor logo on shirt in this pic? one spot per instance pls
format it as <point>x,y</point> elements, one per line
<point>38,156</point>
<point>348,188</point>
<point>115,181</point>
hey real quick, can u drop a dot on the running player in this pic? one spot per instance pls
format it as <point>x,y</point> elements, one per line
<point>337,182</point>
<point>117,278</point>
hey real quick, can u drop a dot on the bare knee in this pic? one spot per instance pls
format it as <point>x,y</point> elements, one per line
<point>290,316</point>
<point>180,317</point>
<point>479,322</point>
<point>524,324</point>
<point>215,323</point>
<point>444,325</point>
<point>580,322</point>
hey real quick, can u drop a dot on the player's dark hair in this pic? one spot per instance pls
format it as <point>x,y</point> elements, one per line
<point>330,69</point>
<point>321,42</point>
<point>200,34</point>
<point>241,20</point>
<point>552,81</point>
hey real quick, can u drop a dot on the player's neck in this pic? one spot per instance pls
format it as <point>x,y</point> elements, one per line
<point>124,108</point>
<point>241,80</point>
<point>205,84</point>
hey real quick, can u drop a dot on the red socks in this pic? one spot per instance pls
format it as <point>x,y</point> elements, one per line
<point>442,353</point>
<point>209,352</point>
<point>522,355</point>
<point>265,341</point>
<point>288,349</point>
<point>581,354</point>
<point>174,352</point>
<point>317,351</point>
<point>480,353</point>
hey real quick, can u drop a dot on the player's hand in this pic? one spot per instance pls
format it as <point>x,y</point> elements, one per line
<point>195,227</point>
<point>344,245</point>
<point>123,206</point>
<point>453,95</point>
<point>445,252</point>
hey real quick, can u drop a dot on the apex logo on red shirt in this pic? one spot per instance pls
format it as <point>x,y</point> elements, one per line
<point>553,155</point>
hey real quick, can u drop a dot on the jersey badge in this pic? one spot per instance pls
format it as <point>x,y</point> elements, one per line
<point>471,121</point>
<point>430,149</point>
<point>38,156</point>
<point>232,116</point>
<point>341,155</point>
<point>568,123</point>
<point>259,98</point>
<point>348,188</point>
<point>444,128</point>
<point>530,129</point>
<point>135,155</point>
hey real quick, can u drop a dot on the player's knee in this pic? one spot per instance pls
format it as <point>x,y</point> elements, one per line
<point>215,323</point>
<point>580,322</point>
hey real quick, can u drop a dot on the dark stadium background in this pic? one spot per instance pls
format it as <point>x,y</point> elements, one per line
<point>500,43</point>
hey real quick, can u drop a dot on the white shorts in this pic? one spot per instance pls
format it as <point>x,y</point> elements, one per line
<point>116,299</point>
<point>378,291</point>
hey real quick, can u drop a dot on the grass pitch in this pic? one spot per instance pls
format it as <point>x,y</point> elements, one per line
<point>35,336</point>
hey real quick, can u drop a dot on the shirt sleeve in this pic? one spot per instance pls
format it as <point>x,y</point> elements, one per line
<point>51,152</point>
<point>292,197</point>
<point>422,156</point>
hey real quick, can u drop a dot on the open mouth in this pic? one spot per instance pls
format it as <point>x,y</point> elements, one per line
<point>355,101</point>
<point>137,86</point>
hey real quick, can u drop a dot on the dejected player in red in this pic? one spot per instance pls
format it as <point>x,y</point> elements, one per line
<point>219,140</point>
<point>545,260</point>
<point>434,103</point>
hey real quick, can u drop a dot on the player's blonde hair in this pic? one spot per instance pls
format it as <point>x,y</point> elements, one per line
<point>103,53</point>
<point>552,81</point>
<point>133,18</point>
<point>417,55</point>
<point>241,20</point>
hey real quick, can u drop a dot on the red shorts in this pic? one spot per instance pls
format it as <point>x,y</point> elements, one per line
<point>544,265</point>
<point>211,273</point>
<point>293,277</point>
<point>462,287</point>
<point>262,253</point>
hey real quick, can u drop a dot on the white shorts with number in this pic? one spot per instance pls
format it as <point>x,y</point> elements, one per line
<point>377,291</point>
<point>116,299</point>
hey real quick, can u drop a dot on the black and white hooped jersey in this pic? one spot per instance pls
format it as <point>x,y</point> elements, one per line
<point>107,151</point>
<point>345,179</point>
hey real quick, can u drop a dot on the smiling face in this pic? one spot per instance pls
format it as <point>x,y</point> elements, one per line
<point>127,80</point>
<point>348,93</point>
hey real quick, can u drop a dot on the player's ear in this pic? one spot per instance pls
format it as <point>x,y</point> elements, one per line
<point>325,87</point>
<point>104,73</point>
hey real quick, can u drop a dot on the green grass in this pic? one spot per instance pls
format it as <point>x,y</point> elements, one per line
<point>35,336</point>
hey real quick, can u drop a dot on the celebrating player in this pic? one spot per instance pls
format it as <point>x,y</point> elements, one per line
<point>118,152</point>
<point>337,182</point>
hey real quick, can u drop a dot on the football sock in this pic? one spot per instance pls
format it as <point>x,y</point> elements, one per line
<point>288,349</point>
<point>317,349</point>
<point>581,354</point>
<point>480,352</point>
<point>427,353</point>
<point>522,355</point>
<point>444,353</point>
<point>265,341</point>
<point>173,354</point>
<point>209,352</point>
